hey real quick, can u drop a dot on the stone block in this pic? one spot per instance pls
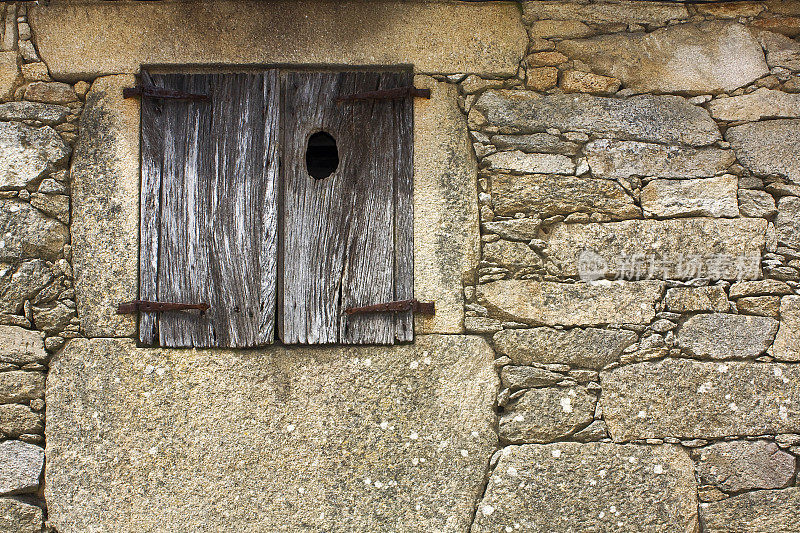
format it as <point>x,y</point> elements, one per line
<point>21,386</point>
<point>781,51</point>
<point>446,227</point>
<point>759,288</point>
<point>54,92</point>
<point>787,223</point>
<point>736,466</point>
<point>10,75</point>
<point>105,208</point>
<point>623,159</point>
<point>536,143</point>
<point>541,78</point>
<point>575,81</point>
<point>326,438</point>
<point>21,346</point>
<point>518,161</point>
<point>661,119</point>
<point>673,244</point>
<point>20,467</point>
<point>571,304</point>
<point>761,104</point>
<point>754,512</point>
<point>606,12</point>
<point>548,195</point>
<point>510,254</point>
<point>570,486</point>
<point>29,233</point>
<point>546,414</point>
<point>22,282</point>
<point>726,336</point>
<point>517,229</point>
<point>524,377</point>
<point>49,114</point>
<point>582,348</point>
<point>787,341</point>
<point>769,147</point>
<point>759,305</point>
<point>708,57</point>
<point>561,29</point>
<point>692,299</point>
<point>707,197</point>
<point>754,203</point>
<point>19,517</point>
<point>82,42</point>
<point>27,154</point>
<point>696,399</point>
<point>16,419</point>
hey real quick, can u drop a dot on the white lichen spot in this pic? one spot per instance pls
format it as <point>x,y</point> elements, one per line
<point>415,461</point>
<point>414,435</point>
<point>475,434</point>
<point>367,362</point>
<point>367,481</point>
<point>783,412</point>
<point>487,510</point>
<point>658,469</point>
<point>427,360</point>
<point>511,471</point>
<point>464,453</point>
<point>632,460</point>
<point>290,428</point>
<point>641,414</point>
<point>601,515</point>
<point>378,485</point>
<point>413,365</point>
<point>777,371</point>
<point>733,407</point>
<point>722,368</point>
<point>555,453</point>
<point>301,490</point>
<point>384,425</point>
<point>613,508</point>
<point>602,473</point>
<point>149,369</point>
<point>519,418</point>
<point>566,405</point>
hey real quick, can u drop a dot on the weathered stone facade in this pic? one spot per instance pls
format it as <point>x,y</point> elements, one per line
<point>606,209</point>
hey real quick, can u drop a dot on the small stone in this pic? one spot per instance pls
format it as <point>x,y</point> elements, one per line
<point>574,81</point>
<point>762,287</point>
<point>788,26</point>
<point>541,78</point>
<point>754,512</point>
<point>518,229</point>
<point>707,493</point>
<point>518,161</point>
<point>9,74</point>
<point>52,318</point>
<point>35,71</point>
<point>708,197</point>
<point>753,203</point>
<point>724,336</point>
<point>544,415</point>
<point>20,517</point>
<point>662,326</point>
<point>51,186</point>
<point>50,92</point>
<point>761,104</point>
<point>510,254</point>
<point>523,377</point>
<point>55,205</point>
<point>28,153</point>
<point>690,299</point>
<point>21,386</point>
<point>736,466</point>
<point>562,29</point>
<point>535,143</point>
<point>594,432</point>
<point>787,341</point>
<point>546,59</point>
<point>28,51</point>
<point>759,305</point>
<point>16,420</point>
<point>768,147</point>
<point>787,222</point>
<point>21,346</point>
<point>20,467</point>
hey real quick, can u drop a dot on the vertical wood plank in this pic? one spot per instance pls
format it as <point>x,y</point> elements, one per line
<point>339,234</point>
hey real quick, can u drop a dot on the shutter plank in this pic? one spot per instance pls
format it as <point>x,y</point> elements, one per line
<point>338,238</point>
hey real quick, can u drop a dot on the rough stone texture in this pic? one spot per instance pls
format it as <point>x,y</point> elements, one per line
<point>745,465</point>
<point>787,341</point>
<point>541,79</point>
<point>570,486</point>
<point>510,253</point>
<point>622,159</point>
<point>707,197</point>
<point>663,119</point>
<point>725,336</point>
<point>523,377</point>
<point>571,304</point>
<point>28,154</point>
<point>781,51</point>
<point>326,439</point>
<point>583,348</point>
<point>575,81</point>
<point>545,415</point>
<point>666,240</point>
<point>50,92</point>
<point>605,12</point>
<point>517,229</point>
<point>563,29</point>
<point>760,511</point>
<point>81,42</point>
<point>21,386</point>
<point>9,74</point>
<point>546,196</point>
<point>754,203</point>
<point>16,419</point>
<point>759,288</point>
<point>45,113</point>
<point>28,233</point>
<point>691,299</point>
<point>105,208</point>
<point>536,142</point>
<point>21,346</point>
<point>695,399</point>
<point>20,467</point>
<point>518,161</point>
<point>763,103</point>
<point>768,147</point>
<point>22,282</point>
<point>787,223</point>
<point>52,318</point>
<point>759,305</point>
<point>446,227</point>
<point>19,517</point>
<point>703,58</point>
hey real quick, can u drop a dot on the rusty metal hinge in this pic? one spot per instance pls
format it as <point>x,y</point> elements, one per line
<point>144,306</point>
<point>423,308</point>
<point>387,94</point>
<point>152,91</point>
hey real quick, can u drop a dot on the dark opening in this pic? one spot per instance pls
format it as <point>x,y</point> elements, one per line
<point>322,157</point>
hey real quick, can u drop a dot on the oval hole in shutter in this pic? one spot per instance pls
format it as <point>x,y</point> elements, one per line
<point>322,156</point>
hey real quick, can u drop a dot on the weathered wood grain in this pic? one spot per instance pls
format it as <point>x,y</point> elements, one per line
<point>218,209</point>
<point>339,236</point>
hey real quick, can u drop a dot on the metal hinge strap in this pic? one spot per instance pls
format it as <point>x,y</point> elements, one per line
<point>143,306</point>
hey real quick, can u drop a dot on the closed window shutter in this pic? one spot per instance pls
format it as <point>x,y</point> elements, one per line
<point>346,239</point>
<point>209,210</point>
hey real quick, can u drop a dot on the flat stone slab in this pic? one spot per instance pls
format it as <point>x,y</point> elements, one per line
<point>569,486</point>
<point>20,467</point>
<point>745,465</point>
<point>546,414</point>
<point>663,119</point>
<point>327,439</point>
<point>19,517</point>
<point>760,104</point>
<point>21,346</point>
<point>709,57</point>
<point>682,248</point>
<point>704,197</point>
<point>81,42</point>
<point>579,347</point>
<point>693,399</point>
<point>571,304</point>
<point>727,336</point>
<point>769,147</point>
<point>754,512</point>
<point>604,12</point>
<point>787,223</point>
<point>787,341</point>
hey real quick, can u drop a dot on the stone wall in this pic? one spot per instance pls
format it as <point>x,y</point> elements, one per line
<point>607,198</point>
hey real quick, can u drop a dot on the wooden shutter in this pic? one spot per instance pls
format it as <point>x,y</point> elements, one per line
<point>346,239</point>
<point>208,209</point>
